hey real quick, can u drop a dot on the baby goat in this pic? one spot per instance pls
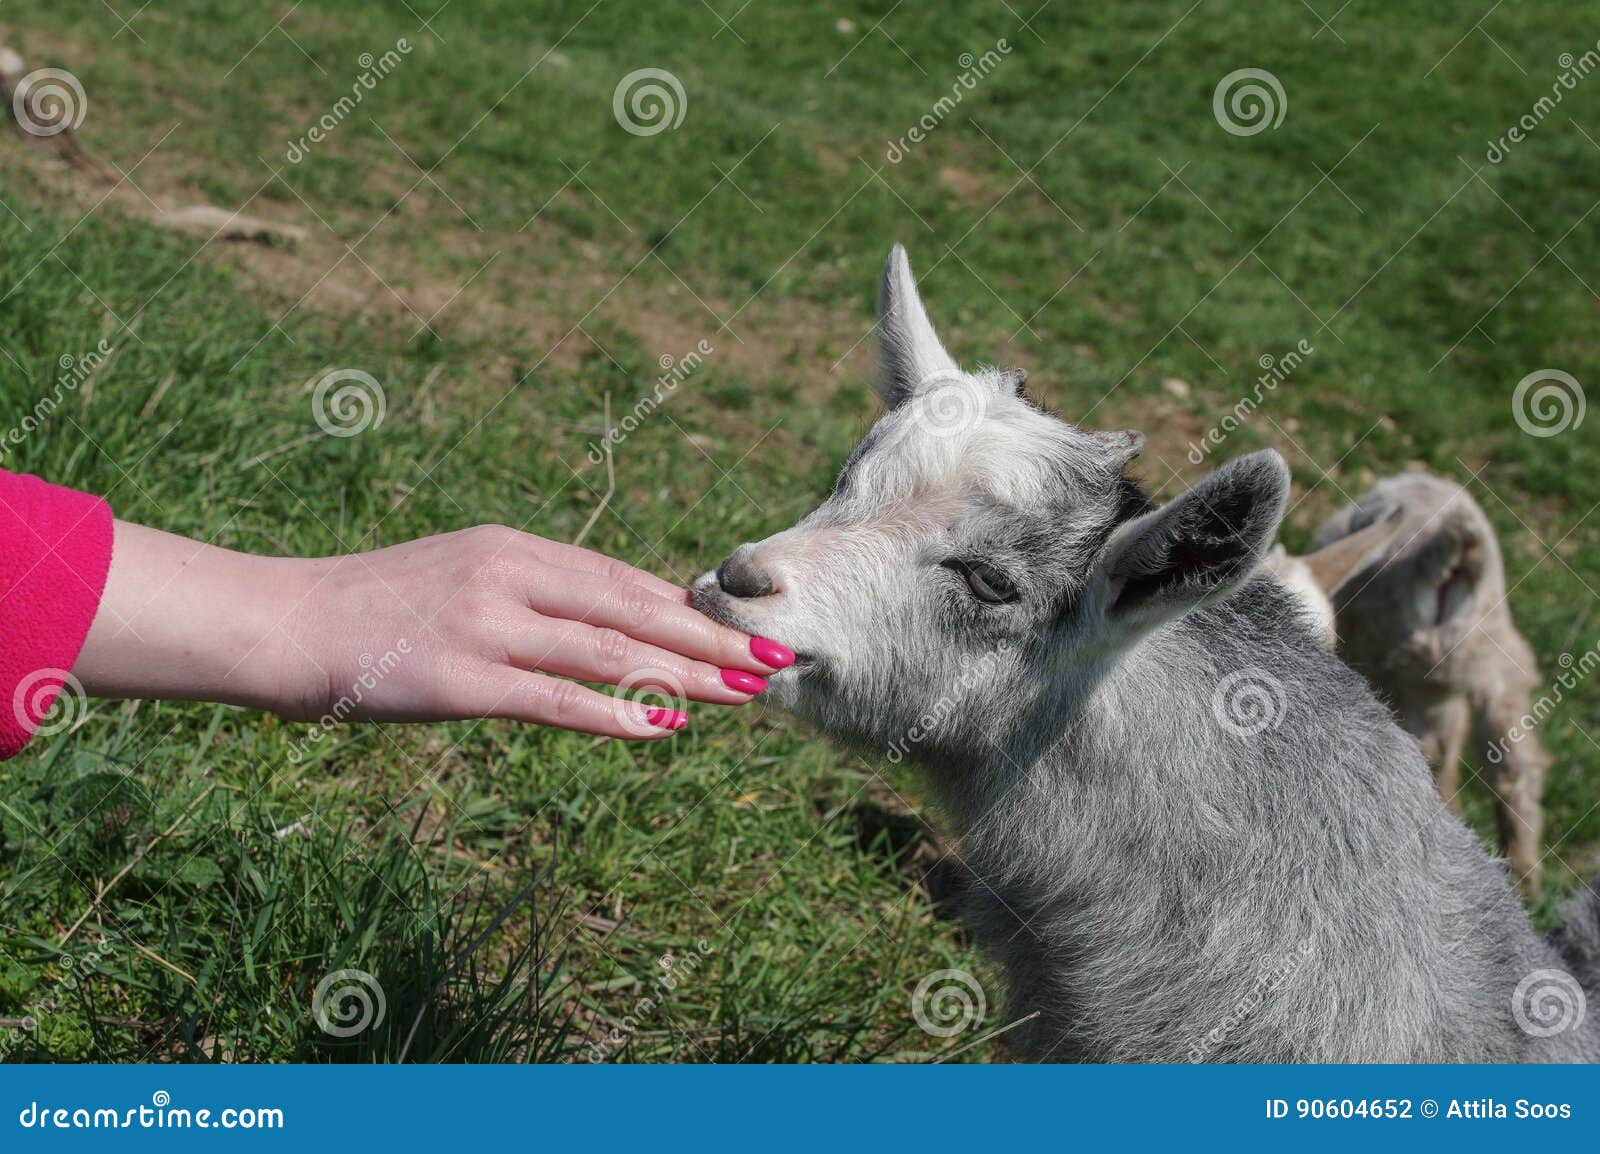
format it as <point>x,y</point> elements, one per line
<point>1193,833</point>
<point>1316,577</point>
<point>1426,621</point>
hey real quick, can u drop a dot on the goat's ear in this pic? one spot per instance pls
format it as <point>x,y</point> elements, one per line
<point>909,353</point>
<point>1335,564</point>
<point>1200,545</point>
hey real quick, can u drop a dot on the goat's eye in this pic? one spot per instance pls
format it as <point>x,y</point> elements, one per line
<point>986,582</point>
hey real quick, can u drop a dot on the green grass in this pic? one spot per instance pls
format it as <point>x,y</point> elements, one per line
<point>458,863</point>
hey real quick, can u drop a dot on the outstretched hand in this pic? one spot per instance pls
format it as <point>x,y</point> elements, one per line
<point>485,622</point>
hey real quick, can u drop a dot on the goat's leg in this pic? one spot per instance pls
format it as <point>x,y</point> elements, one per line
<point>1442,728</point>
<point>1517,778</point>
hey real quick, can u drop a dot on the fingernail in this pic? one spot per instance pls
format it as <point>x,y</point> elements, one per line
<point>771,653</point>
<point>667,718</point>
<point>743,682</point>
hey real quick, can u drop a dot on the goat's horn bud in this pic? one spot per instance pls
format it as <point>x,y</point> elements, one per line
<point>1125,444</point>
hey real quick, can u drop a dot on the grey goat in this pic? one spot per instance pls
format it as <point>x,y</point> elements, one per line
<point>1426,621</point>
<point>1194,834</point>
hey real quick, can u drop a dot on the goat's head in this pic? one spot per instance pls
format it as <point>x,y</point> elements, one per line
<point>1317,578</point>
<point>976,551</point>
<point>1432,581</point>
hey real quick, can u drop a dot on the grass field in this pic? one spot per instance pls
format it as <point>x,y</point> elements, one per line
<point>486,240</point>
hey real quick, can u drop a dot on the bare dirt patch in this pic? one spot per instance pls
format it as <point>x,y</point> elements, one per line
<point>969,187</point>
<point>538,290</point>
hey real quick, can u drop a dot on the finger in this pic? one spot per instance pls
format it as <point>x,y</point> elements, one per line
<point>667,624</point>
<point>543,700</point>
<point>587,561</point>
<point>599,653</point>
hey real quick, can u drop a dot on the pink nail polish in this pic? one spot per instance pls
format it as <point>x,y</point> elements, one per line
<point>667,718</point>
<point>743,682</point>
<point>771,653</point>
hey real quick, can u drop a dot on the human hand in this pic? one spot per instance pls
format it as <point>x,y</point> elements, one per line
<point>489,613</point>
<point>484,622</point>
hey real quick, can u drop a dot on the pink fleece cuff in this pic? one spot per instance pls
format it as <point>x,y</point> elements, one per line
<point>55,549</point>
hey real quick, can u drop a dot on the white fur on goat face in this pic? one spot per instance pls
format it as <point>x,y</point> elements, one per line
<point>873,588</point>
<point>868,587</point>
<point>979,559</point>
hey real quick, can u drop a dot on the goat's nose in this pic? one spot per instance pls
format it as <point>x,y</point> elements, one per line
<point>740,576</point>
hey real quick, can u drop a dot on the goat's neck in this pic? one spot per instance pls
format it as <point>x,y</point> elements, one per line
<point>1103,755</point>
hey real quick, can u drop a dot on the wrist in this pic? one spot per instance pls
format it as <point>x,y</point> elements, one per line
<point>260,658</point>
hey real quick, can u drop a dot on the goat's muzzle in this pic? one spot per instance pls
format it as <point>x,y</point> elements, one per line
<point>741,576</point>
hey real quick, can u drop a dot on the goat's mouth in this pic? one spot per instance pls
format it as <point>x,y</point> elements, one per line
<point>715,604</point>
<point>711,601</point>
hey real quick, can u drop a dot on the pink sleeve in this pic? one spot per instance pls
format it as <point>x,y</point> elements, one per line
<point>55,548</point>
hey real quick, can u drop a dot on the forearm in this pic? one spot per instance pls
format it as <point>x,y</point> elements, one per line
<point>484,622</point>
<point>181,619</point>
